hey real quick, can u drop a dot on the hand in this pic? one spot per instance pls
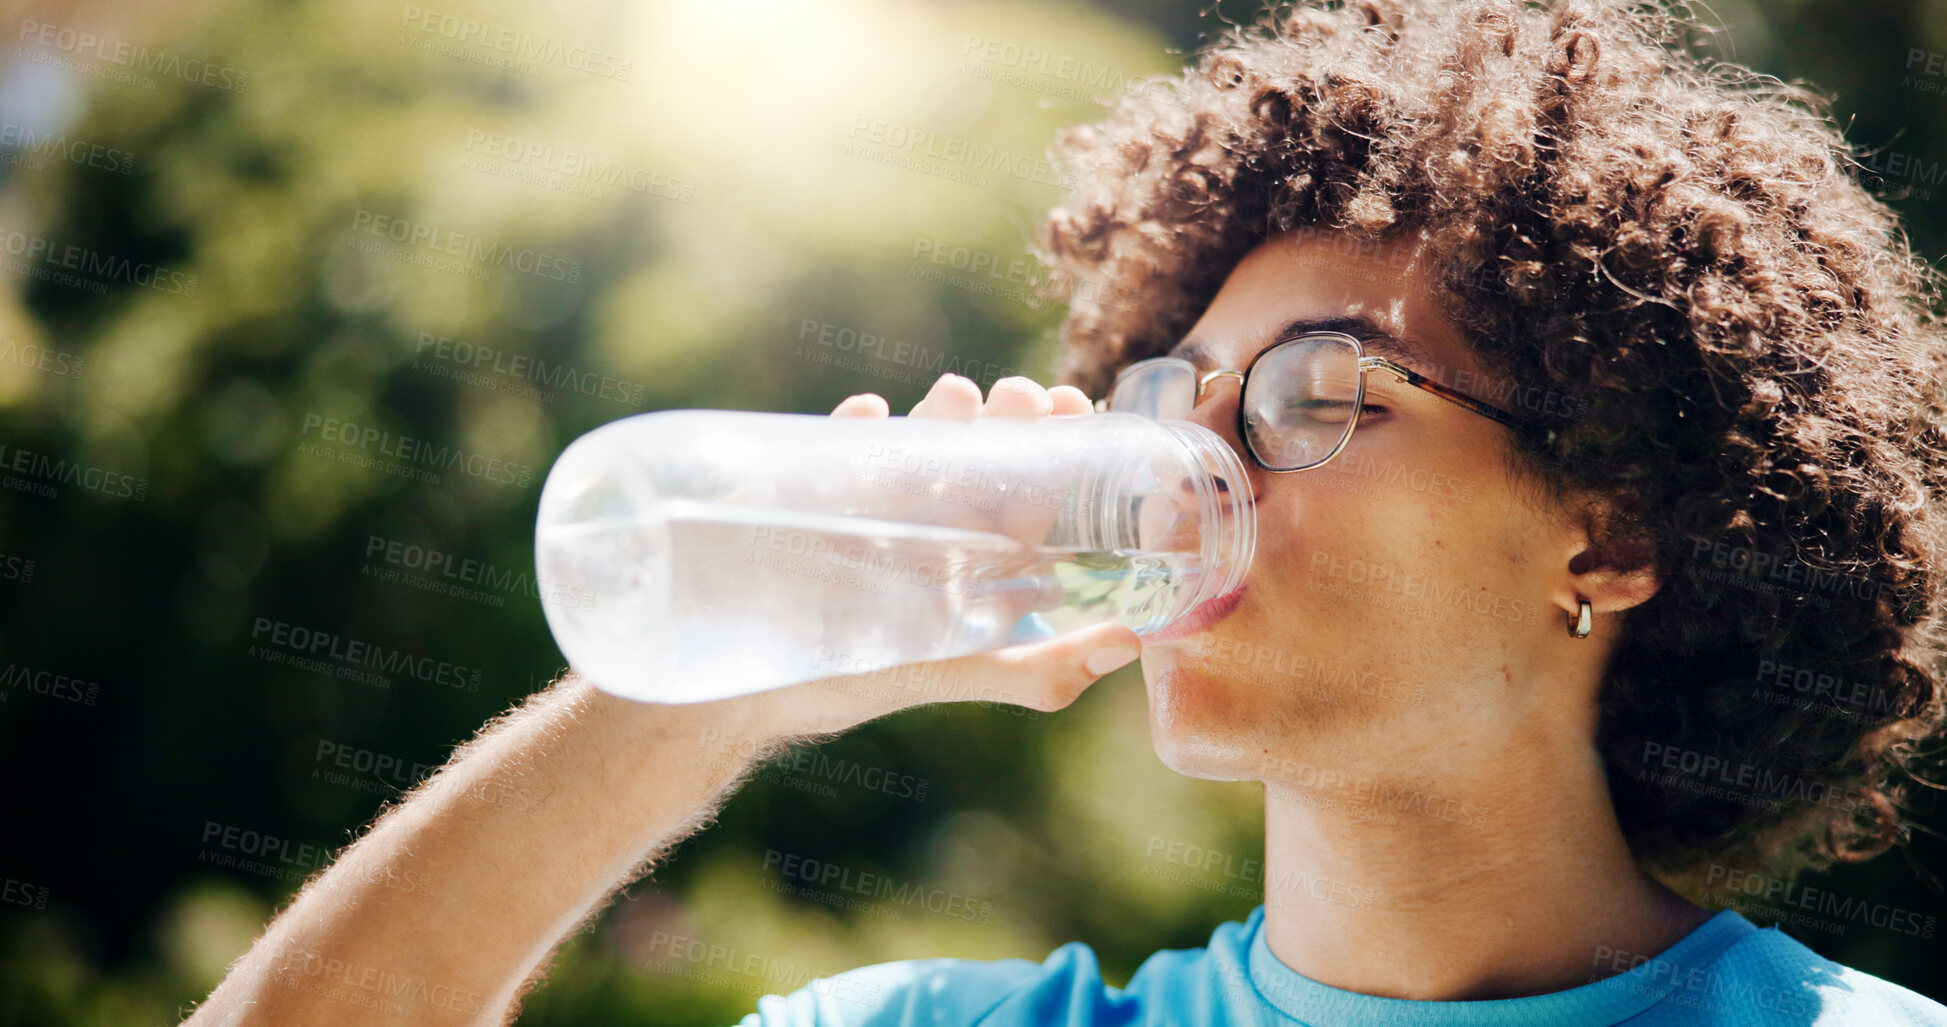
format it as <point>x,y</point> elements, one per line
<point>1044,675</point>
<point>958,398</point>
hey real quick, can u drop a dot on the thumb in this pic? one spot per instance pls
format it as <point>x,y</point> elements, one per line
<point>1050,674</point>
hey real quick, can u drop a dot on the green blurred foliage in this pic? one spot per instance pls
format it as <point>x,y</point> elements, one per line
<point>700,231</point>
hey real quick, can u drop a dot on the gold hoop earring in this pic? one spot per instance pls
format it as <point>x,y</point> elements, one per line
<point>1582,621</point>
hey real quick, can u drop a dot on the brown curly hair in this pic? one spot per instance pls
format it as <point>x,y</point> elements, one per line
<point>1754,352</point>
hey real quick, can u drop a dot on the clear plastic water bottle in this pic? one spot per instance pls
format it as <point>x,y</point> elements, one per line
<point>718,553</point>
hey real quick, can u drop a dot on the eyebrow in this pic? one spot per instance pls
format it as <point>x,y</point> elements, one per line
<point>1373,338</point>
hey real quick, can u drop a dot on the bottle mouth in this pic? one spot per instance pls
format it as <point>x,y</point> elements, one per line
<point>1227,507</point>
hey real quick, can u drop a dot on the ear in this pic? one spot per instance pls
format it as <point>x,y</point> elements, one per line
<point>1608,561</point>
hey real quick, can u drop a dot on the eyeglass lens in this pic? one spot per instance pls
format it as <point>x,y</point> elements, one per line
<point>1297,407</point>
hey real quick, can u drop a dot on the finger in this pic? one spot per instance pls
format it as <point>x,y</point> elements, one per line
<point>865,404</point>
<point>1047,675</point>
<point>950,396</point>
<point>1016,396</point>
<point>1068,399</point>
<point>1019,396</point>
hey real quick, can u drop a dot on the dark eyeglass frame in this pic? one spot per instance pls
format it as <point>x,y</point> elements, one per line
<point>1365,363</point>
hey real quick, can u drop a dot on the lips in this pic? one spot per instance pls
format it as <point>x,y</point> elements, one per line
<point>1202,616</point>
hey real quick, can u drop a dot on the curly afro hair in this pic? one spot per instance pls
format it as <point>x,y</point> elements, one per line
<point>1682,246</point>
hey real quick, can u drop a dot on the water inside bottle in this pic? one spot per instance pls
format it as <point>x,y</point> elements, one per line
<point>1137,587</point>
<point>752,589</point>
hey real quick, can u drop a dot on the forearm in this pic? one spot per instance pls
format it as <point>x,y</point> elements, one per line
<point>454,898</point>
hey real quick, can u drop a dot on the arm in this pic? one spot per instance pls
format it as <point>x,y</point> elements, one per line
<point>450,905</point>
<point>453,901</point>
<point>458,895</point>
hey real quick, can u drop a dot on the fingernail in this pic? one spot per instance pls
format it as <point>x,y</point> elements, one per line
<point>1102,661</point>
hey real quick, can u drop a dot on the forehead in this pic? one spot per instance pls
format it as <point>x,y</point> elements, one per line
<point>1324,275</point>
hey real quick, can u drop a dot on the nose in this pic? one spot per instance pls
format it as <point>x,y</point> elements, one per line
<point>1219,393</point>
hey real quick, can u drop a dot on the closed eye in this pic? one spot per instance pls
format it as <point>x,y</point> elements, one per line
<point>1337,404</point>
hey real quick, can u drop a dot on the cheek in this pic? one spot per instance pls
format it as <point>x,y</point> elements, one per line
<point>1373,542</point>
<point>1307,520</point>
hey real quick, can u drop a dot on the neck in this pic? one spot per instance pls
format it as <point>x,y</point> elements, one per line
<point>1503,879</point>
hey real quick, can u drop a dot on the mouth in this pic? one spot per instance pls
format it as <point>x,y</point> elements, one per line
<point>1200,617</point>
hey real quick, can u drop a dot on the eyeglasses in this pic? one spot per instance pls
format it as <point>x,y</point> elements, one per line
<point>1300,398</point>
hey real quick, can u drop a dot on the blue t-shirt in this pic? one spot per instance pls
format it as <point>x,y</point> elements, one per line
<point>1726,973</point>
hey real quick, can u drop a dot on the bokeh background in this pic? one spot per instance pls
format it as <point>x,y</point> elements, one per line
<point>226,223</point>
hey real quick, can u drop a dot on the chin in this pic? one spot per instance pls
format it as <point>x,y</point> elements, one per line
<point>1203,726</point>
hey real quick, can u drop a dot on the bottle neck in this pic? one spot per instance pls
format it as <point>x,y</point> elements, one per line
<point>1227,506</point>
